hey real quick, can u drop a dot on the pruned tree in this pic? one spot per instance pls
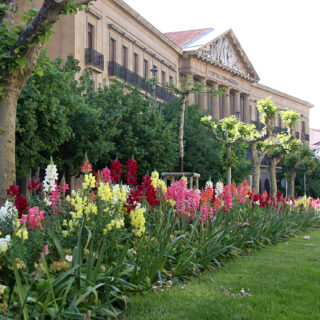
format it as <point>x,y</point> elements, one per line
<point>256,140</point>
<point>232,132</point>
<point>303,157</point>
<point>280,145</point>
<point>183,92</point>
<point>20,43</point>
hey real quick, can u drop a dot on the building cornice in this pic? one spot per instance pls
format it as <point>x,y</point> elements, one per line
<point>147,25</point>
<point>197,55</point>
<point>284,95</point>
<point>141,45</point>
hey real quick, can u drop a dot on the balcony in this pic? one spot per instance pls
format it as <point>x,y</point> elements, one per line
<point>123,73</point>
<point>94,58</point>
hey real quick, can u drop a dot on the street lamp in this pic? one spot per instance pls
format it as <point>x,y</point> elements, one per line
<point>154,71</point>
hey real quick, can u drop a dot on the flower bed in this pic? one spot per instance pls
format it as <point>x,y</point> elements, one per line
<point>76,255</point>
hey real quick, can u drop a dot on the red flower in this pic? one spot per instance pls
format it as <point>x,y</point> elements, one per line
<point>131,175</point>
<point>32,186</point>
<point>116,170</point>
<point>13,190</point>
<point>87,167</point>
<point>21,205</point>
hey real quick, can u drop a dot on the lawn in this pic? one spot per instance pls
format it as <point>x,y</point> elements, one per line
<point>278,282</point>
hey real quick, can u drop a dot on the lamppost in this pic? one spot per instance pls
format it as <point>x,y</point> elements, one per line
<point>154,71</point>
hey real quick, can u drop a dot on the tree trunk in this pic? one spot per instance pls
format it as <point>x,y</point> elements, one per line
<point>181,132</point>
<point>255,167</point>
<point>228,171</point>
<point>255,174</point>
<point>8,106</point>
<point>273,177</point>
<point>291,185</point>
<point>273,162</point>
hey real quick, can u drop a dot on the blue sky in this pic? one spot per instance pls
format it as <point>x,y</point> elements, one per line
<point>280,37</point>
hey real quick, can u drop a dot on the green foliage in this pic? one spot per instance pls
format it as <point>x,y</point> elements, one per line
<point>203,153</point>
<point>312,173</point>
<point>14,57</point>
<point>142,131</point>
<point>64,118</point>
<point>267,108</point>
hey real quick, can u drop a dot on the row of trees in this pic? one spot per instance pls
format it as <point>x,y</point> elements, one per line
<point>63,117</point>
<point>275,147</point>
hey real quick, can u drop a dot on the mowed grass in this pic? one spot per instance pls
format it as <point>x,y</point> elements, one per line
<point>283,282</point>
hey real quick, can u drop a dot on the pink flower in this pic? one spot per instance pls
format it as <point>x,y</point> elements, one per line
<point>46,250</point>
<point>33,218</point>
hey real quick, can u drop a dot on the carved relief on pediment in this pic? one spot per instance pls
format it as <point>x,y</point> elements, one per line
<point>221,51</point>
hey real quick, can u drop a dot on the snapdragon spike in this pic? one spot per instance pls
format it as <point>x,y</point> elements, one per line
<point>116,170</point>
<point>13,190</point>
<point>131,176</point>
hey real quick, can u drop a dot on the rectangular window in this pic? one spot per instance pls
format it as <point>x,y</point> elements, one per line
<point>303,126</point>
<point>257,114</point>
<point>125,56</point>
<point>112,50</point>
<point>145,69</point>
<point>90,36</point>
<point>279,121</point>
<point>163,77</point>
<point>135,63</point>
<point>170,79</point>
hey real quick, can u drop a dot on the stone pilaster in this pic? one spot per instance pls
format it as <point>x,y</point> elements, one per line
<point>203,97</point>
<point>226,103</point>
<point>246,109</point>
<point>215,103</point>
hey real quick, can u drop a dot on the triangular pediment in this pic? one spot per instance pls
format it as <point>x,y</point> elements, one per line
<point>226,51</point>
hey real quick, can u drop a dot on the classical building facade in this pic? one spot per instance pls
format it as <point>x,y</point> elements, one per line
<point>113,40</point>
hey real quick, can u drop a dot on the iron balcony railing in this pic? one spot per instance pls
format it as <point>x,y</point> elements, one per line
<point>123,73</point>
<point>94,58</point>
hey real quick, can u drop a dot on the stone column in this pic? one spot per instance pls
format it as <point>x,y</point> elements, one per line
<point>204,98</point>
<point>191,95</point>
<point>215,104</point>
<point>237,103</point>
<point>253,110</point>
<point>246,109</point>
<point>226,103</point>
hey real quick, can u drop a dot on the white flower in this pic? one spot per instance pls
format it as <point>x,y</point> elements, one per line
<point>219,188</point>
<point>306,237</point>
<point>2,288</point>
<point>209,184</point>
<point>8,211</point>
<point>68,258</point>
<point>49,183</point>
<point>4,243</point>
<point>257,203</point>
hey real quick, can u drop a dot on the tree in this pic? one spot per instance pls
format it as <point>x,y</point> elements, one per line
<point>280,145</point>
<point>203,153</point>
<point>303,157</point>
<point>19,50</point>
<point>256,142</point>
<point>183,92</point>
<point>233,132</point>
<point>308,175</point>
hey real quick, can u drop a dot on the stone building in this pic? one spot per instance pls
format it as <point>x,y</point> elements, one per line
<point>114,40</point>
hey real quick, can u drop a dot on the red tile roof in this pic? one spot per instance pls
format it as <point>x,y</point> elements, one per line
<point>182,38</point>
